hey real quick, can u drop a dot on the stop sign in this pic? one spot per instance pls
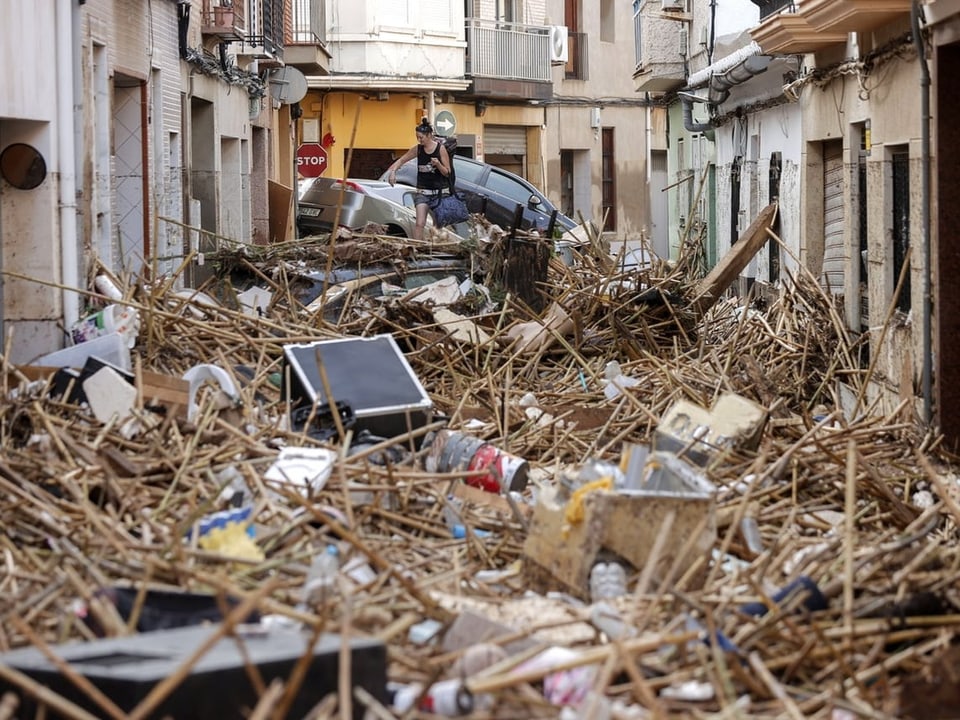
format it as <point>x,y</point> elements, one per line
<point>311,160</point>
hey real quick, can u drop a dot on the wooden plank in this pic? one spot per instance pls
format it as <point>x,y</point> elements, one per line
<point>725,272</point>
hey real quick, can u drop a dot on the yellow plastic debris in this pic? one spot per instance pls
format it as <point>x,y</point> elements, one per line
<point>574,510</point>
<point>232,541</point>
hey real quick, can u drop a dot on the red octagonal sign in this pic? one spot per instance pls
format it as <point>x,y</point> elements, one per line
<point>311,160</point>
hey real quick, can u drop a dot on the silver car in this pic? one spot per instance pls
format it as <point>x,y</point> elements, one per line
<point>361,202</point>
<point>320,198</point>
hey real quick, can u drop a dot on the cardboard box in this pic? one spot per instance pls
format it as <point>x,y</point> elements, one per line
<point>698,435</point>
<point>623,526</point>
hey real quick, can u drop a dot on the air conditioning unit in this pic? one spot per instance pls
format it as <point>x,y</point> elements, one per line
<point>673,5</point>
<point>559,50</point>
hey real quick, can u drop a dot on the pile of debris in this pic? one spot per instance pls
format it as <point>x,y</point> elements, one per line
<point>646,500</point>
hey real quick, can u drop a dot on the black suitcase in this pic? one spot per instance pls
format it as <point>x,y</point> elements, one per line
<point>372,386</point>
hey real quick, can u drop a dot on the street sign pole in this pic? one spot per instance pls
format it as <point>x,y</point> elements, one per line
<point>296,182</point>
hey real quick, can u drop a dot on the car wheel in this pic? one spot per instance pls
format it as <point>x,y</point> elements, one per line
<point>396,231</point>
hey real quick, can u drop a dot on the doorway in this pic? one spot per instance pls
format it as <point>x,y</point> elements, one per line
<point>945,262</point>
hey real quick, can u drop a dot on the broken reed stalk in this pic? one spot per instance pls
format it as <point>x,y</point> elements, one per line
<point>335,229</point>
<point>850,530</point>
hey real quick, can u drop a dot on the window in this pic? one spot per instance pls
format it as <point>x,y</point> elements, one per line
<point>393,14</point>
<point>637,33</point>
<point>467,171</point>
<point>504,185</point>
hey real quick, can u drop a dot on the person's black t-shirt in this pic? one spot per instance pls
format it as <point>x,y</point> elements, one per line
<point>429,177</point>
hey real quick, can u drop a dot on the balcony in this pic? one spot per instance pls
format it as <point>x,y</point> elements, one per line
<point>771,7</point>
<point>853,15</point>
<point>792,34</point>
<point>264,37</point>
<point>660,49</point>
<point>305,44</point>
<point>223,19</point>
<point>509,60</point>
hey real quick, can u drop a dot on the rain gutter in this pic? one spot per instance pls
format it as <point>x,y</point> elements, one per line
<point>719,78</point>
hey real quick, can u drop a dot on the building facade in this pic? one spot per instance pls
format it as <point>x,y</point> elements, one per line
<point>840,111</point>
<point>516,82</point>
<point>135,135</point>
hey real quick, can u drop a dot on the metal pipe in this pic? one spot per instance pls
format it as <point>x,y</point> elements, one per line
<point>713,31</point>
<point>702,77</point>
<point>925,210</point>
<point>688,124</point>
<point>66,159</point>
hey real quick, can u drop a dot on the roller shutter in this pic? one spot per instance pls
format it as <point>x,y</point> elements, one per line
<point>504,140</point>
<point>834,260</point>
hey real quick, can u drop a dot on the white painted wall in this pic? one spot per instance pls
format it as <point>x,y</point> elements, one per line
<point>397,37</point>
<point>778,130</point>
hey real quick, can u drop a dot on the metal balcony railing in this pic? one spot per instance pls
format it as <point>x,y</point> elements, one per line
<point>511,51</point>
<point>772,7</point>
<point>265,27</point>
<point>308,23</point>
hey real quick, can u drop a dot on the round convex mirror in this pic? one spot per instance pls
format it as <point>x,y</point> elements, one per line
<point>22,166</point>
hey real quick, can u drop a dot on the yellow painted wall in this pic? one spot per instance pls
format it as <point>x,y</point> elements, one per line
<point>390,124</point>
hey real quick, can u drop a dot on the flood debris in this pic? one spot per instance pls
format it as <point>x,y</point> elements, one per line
<point>769,555</point>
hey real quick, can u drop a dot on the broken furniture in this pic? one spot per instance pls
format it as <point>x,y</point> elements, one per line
<point>218,685</point>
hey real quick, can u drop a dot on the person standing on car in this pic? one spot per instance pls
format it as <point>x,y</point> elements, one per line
<point>433,172</point>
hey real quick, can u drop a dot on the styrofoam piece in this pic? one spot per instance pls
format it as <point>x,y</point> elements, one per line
<point>306,468</point>
<point>111,348</point>
<point>254,301</point>
<point>109,395</point>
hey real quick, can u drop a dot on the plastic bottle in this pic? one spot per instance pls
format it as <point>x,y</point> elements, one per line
<point>321,581</point>
<point>113,318</point>
<point>607,619</point>
<point>447,698</point>
<point>105,286</point>
<point>607,580</point>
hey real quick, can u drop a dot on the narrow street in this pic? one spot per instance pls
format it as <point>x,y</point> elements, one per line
<point>802,563</point>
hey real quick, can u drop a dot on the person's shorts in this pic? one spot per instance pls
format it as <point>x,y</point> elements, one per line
<point>428,197</point>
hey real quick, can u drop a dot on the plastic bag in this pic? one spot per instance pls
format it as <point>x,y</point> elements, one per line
<point>449,210</point>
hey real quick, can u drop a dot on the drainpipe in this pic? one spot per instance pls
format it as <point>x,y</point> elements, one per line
<point>688,124</point>
<point>713,31</point>
<point>925,200</point>
<point>66,160</point>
